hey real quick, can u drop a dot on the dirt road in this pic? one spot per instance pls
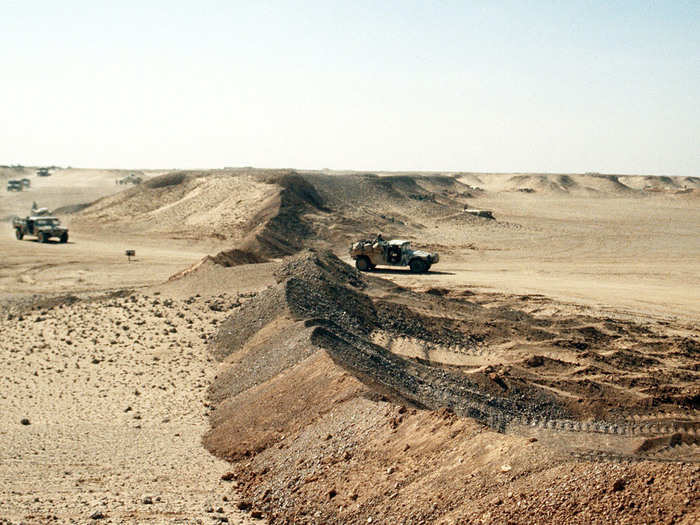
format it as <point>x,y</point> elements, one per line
<point>630,254</point>
<point>89,262</point>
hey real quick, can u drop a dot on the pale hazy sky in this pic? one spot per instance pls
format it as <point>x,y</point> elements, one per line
<point>559,86</point>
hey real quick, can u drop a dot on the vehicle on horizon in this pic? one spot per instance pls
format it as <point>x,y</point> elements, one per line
<point>14,185</point>
<point>368,254</point>
<point>43,227</point>
<point>43,172</point>
<point>132,178</point>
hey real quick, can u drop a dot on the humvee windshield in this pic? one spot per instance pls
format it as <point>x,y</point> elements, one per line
<point>47,222</point>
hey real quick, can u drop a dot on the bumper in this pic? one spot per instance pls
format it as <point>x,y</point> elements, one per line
<point>53,233</point>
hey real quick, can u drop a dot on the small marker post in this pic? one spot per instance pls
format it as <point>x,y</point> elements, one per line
<point>130,254</point>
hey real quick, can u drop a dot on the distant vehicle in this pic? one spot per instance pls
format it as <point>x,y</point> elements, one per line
<point>43,172</point>
<point>368,254</point>
<point>26,183</point>
<point>14,185</point>
<point>488,214</point>
<point>43,227</point>
<point>130,179</point>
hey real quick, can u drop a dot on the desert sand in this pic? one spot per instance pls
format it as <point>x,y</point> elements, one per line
<point>546,370</point>
<point>112,382</point>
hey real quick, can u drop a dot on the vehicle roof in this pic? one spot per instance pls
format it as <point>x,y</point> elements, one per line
<point>397,242</point>
<point>33,217</point>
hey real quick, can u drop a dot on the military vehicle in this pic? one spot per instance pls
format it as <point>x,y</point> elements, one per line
<point>14,185</point>
<point>130,179</point>
<point>368,254</point>
<point>43,172</point>
<point>43,227</point>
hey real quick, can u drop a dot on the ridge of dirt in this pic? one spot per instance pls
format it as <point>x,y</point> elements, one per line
<point>275,213</point>
<point>236,257</point>
<point>315,358</point>
<point>284,232</point>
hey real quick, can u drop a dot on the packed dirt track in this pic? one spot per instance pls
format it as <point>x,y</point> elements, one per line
<point>544,371</point>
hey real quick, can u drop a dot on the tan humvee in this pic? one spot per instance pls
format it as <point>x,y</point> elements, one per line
<point>369,254</point>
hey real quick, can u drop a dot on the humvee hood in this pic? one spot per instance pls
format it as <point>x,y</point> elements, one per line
<point>432,257</point>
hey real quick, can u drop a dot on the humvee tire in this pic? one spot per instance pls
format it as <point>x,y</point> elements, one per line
<point>42,237</point>
<point>363,264</point>
<point>19,234</point>
<point>64,237</point>
<point>418,266</point>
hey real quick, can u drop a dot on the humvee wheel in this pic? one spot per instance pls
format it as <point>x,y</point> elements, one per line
<point>363,264</point>
<point>43,237</point>
<point>18,234</point>
<point>64,237</point>
<point>418,266</point>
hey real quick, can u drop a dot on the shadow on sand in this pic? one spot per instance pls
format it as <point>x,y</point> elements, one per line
<point>406,271</point>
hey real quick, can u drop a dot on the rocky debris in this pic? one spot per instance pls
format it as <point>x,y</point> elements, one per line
<point>534,361</point>
<point>618,485</point>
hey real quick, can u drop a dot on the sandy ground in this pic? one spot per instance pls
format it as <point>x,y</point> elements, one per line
<point>629,253</point>
<point>89,262</point>
<point>623,254</point>
<point>112,390</point>
<point>93,444</point>
<point>112,387</point>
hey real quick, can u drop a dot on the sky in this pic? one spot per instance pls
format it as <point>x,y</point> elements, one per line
<point>528,86</point>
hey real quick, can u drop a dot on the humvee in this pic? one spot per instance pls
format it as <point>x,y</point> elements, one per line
<point>42,226</point>
<point>43,172</point>
<point>368,254</point>
<point>14,185</point>
<point>130,179</point>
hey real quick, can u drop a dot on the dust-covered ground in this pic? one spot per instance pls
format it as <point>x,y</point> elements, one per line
<point>103,409</point>
<point>103,388</point>
<point>545,370</point>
